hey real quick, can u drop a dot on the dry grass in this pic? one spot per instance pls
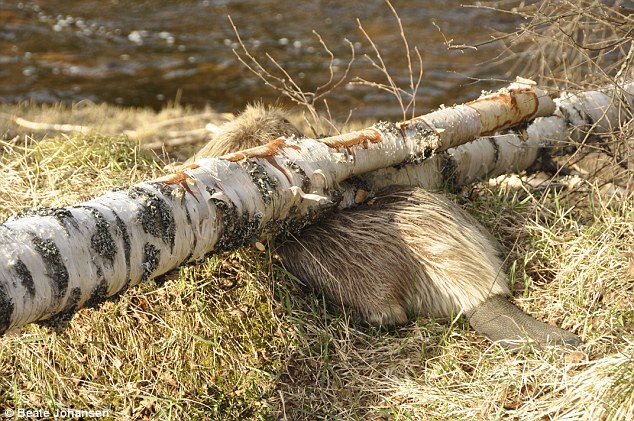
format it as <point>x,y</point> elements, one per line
<point>237,338</point>
<point>176,130</point>
<point>571,43</point>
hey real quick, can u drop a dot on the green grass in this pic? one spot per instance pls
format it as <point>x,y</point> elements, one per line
<point>237,338</point>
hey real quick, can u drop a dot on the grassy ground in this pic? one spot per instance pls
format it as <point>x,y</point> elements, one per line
<point>237,338</point>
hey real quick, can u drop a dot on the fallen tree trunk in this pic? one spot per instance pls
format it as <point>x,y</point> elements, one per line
<point>54,261</point>
<point>576,117</point>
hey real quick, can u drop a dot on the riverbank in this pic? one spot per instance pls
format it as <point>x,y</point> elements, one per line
<point>174,130</point>
<point>237,337</point>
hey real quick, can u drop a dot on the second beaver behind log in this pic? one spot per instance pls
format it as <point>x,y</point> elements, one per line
<point>255,126</point>
<point>405,253</point>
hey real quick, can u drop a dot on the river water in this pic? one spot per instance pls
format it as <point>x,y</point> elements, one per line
<point>148,53</point>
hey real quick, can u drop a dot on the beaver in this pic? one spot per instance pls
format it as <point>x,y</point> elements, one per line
<point>406,252</point>
<point>255,126</point>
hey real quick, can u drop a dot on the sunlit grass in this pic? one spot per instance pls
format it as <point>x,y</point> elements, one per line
<point>237,338</point>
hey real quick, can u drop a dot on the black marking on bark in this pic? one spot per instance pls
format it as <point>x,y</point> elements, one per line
<point>101,240</point>
<point>293,166</point>
<point>299,170</point>
<point>449,171</point>
<point>496,149</point>
<point>586,129</point>
<point>238,229</point>
<point>296,221</point>
<point>587,119</point>
<point>565,113</point>
<point>388,127</point>
<point>25,277</point>
<point>188,258</point>
<point>193,231</point>
<point>5,233</point>
<point>60,320</point>
<point>265,183</point>
<point>55,267</point>
<point>210,190</point>
<point>228,216</point>
<point>423,134</point>
<point>416,158</point>
<point>165,189</point>
<point>579,114</point>
<point>100,292</point>
<point>188,217</point>
<point>306,184</point>
<point>151,258</point>
<point>62,215</point>
<point>98,295</point>
<point>7,306</point>
<point>155,215</point>
<point>289,226</point>
<point>191,228</point>
<point>123,230</point>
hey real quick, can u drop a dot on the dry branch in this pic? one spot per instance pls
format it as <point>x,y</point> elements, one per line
<point>64,128</point>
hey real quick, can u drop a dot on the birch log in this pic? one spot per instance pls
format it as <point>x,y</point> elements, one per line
<point>576,116</point>
<point>54,261</point>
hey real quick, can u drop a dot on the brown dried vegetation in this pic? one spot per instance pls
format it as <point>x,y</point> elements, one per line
<point>237,338</point>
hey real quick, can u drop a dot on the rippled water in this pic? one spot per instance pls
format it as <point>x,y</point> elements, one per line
<point>146,53</point>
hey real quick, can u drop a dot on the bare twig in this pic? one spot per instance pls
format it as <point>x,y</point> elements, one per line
<point>282,81</point>
<point>65,128</point>
<point>277,77</point>
<point>406,97</point>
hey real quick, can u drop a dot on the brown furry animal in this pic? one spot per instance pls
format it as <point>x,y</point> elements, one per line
<point>255,126</point>
<point>407,252</point>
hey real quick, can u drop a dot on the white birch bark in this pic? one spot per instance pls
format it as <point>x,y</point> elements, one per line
<point>576,116</point>
<point>480,159</point>
<point>54,261</point>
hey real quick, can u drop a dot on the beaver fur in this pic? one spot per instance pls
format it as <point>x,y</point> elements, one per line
<point>406,252</point>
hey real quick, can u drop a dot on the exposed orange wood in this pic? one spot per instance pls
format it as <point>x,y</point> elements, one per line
<point>179,177</point>
<point>515,112</point>
<point>262,151</point>
<point>361,137</point>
